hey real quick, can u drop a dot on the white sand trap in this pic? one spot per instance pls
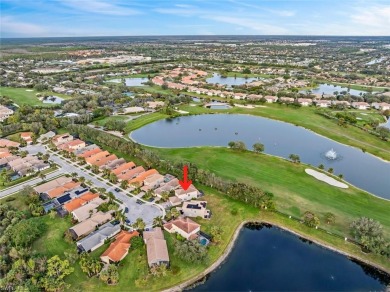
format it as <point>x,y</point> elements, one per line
<point>29,90</point>
<point>323,177</point>
<point>244,106</point>
<point>182,112</point>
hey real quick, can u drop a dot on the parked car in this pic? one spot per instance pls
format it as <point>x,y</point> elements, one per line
<point>126,210</point>
<point>117,190</point>
<point>127,221</point>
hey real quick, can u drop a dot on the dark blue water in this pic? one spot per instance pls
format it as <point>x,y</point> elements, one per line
<point>280,139</point>
<point>270,259</point>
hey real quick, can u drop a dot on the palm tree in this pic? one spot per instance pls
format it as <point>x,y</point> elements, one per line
<point>95,169</point>
<point>120,216</point>
<point>124,184</point>
<point>174,213</point>
<point>165,196</point>
<point>158,221</point>
<point>42,175</point>
<point>139,224</point>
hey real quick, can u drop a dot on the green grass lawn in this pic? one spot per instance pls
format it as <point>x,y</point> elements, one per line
<point>143,120</point>
<point>295,191</point>
<point>23,97</point>
<point>102,122</point>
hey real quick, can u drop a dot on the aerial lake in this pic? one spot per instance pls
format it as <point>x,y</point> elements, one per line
<point>266,258</point>
<point>217,78</point>
<point>281,139</point>
<point>330,89</point>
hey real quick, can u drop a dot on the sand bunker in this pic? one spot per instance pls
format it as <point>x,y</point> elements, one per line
<point>323,177</point>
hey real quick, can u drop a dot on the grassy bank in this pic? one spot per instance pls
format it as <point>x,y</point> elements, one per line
<point>295,191</point>
<point>144,120</point>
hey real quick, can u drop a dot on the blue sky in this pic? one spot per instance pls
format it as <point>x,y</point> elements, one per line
<point>42,18</point>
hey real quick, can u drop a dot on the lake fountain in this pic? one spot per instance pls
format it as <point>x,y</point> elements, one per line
<point>331,154</point>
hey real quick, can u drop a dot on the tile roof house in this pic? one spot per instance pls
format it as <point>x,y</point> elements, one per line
<point>80,201</point>
<point>60,139</point>
<point>167,187</point>
<point>43,188</point>
<point>85,149</point>
<point>72,145</point>
<point>27,136</point>
<point>114,164</point>
<point>96,157</point>
<point>360,105</point>
<point>90,224</point>
<point>123,168</point>
<point>85,211</point>
<point>195,208</point>
<point>97,238</point>
<point>5,113</point>
<point>130,174</point>
<point>119,248</point>
<point>89,153</point>
<point>305,101</point>
<point>188,194</point>
<point>323,103</point>
<point>184,226</point>
<point>141,177</point>
<point>381,105</point>
<point>58,191</point>
<point>156,247</point>
<point>8,143</point>
<point>154,180</point>
<point>271,99</point>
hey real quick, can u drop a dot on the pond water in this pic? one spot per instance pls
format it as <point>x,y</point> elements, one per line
<point>330,89</point>
<point>280,139</point>
<point>217,78</point>
<point>218,106</point>
<point>53,99</point>
<point>129,94</point>
<point>267,258</point>
<point>139,81</point>
<point>387,124</point>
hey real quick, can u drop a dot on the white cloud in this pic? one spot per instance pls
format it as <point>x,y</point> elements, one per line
<point>375,18</point>
<point>100,7</point>
<point>252,24</point>
<point>11,26</point>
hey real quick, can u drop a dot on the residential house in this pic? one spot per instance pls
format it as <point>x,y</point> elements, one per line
<point>60,190</point>
<point>44,188</point>
<point>305,101</point>
<point>96,157</point>
<point>7,143</point>
<point>183,226</point>
<point>97,238</point>
<point>123,168</point>
<point>88,153</point>
<point>60,139</point>
<point>188,194</point>
<point>5,113</point>
<point>80,201</point>
<point>323,103</point>
<point>270,98</point>
<point>153,181</point>
<point>46,137</point>
<point>27,136</point>
<point>138,181</point>
<point>84,212</point>
<point>73,145</point>
<point>156,247</point>
<point>286,99</point>
<point>167,187</point>
<point>195,208</point>
<point>87,226</point>
<point>130,174</point>
<point>360,105</point>
<point>381,106</point>
<point>113,164</point>
<point>119,248</point>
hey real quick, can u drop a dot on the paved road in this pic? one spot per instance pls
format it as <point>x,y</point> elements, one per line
<point>147,211</point>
